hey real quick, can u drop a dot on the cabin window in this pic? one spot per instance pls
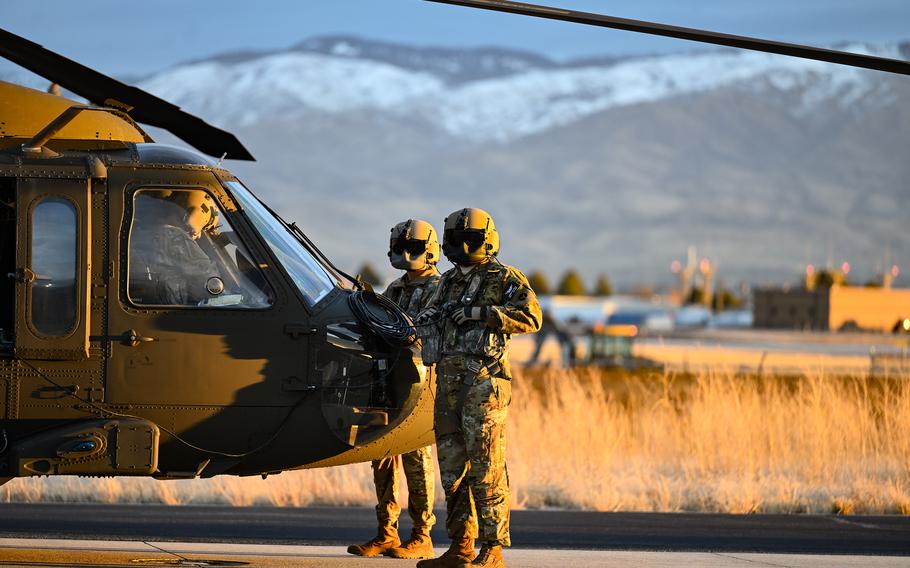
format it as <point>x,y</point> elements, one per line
<point>53,261</point>
<point>184,252</point>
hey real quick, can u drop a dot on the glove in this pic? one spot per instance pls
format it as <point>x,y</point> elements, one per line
<point>426,315</point>
<point>464,315</point>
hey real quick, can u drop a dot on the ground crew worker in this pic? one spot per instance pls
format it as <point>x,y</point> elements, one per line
<point>413,247</point>
<point>480,303</point>
<point>549,326</point>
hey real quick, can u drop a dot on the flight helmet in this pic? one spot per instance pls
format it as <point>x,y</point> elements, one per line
<point>470,237</point>
<point>413,245</point>
<point>201,214</point>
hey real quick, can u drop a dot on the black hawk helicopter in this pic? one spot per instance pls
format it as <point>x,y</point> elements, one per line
<point>157,319</point>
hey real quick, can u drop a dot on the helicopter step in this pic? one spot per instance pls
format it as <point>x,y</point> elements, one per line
<point>117,446</point>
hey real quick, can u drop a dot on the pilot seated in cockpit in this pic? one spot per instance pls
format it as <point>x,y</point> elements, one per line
<point>183,268</point>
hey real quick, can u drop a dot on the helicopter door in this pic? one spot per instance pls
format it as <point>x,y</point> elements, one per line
<point>198,320</point>
<point>52,269</point>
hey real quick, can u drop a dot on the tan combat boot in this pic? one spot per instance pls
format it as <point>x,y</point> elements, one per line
<point>490,557</point>
<point>460,552</point>
<point>418,546</point>
<point>386,539</point>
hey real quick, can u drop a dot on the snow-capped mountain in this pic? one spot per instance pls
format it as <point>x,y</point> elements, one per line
<point>605,165</point>
<point>498,95</point>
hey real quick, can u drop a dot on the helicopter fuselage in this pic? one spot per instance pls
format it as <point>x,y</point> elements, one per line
<point>131,344</point>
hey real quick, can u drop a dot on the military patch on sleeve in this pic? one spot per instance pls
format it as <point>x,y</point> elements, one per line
<point>510,290</point>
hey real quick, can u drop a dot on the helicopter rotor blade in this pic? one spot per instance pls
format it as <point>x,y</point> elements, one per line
<point>102,90</point>
<point>704,36</point>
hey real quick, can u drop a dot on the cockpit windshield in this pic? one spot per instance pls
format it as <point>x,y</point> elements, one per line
<point>308,274</point>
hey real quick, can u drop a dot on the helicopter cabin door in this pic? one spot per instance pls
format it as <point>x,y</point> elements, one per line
<point>199,322</point>
<point>53,269</point>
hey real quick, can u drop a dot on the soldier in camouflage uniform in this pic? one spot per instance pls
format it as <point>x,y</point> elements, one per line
<point>479,305</point>
<point>413,247</point>
<point>183,268</point>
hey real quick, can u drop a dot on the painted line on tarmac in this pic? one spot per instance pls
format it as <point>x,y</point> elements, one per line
<point>854,523</point>
<point>759,562</point>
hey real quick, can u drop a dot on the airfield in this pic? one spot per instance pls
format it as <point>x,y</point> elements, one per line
<point>69,534</point>
<point>154,535</point>
<point>756,351</point>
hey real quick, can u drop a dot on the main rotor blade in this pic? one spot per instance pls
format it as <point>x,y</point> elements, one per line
<point>102,90</point>
<point>704,36</point>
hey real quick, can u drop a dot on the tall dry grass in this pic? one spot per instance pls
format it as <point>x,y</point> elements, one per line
<point>714,442</point>
<point>591,440</point>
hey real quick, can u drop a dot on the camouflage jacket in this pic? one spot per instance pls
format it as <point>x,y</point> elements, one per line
<point>412,295</point>
<point>180,262</point>
<point>513,308</point>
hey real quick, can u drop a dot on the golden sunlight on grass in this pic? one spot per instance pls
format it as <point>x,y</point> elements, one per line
<point>591,440</point>
<point>714,442</point>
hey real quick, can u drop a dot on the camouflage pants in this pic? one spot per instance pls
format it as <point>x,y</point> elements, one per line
<point>418,471</point>
<point>470,443</point>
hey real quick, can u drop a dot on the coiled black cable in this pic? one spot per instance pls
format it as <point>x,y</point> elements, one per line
<point>389,322</point>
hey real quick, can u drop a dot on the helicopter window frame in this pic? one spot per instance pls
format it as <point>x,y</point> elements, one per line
<point>228,213</point>
<point>77,236</point>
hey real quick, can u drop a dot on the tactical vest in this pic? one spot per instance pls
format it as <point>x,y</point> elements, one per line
<point>483,287</point>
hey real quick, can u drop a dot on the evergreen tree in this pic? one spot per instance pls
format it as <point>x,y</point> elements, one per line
<point>539,283</point>
<point>828,278</point>
<point>602,287</point>
<point>369,274</point>
<point>571,284</point>
<point>726,300</point>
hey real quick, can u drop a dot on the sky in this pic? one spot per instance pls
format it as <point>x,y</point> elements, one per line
<point>138,38</point>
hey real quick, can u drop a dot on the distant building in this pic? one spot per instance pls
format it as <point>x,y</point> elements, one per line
<point>834,308</point>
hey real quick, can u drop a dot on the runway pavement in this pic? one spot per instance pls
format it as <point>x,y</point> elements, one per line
<point>112,535</point>
<point>73,553</point>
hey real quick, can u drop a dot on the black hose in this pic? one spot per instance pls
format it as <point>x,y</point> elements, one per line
<point>389,322</point>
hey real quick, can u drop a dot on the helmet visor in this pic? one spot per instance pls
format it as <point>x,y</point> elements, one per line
<point>413,247</point>
<point>472,239</point>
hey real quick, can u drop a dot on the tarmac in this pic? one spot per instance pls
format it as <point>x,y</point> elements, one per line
<point>54,553</point>
<point>57,535</point>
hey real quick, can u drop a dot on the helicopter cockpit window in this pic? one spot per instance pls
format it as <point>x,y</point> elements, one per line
<point>184,252</point>
<point>53,259</point>
<point>308,274</point>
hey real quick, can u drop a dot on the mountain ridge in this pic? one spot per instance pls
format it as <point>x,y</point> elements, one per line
<point>765,163</point>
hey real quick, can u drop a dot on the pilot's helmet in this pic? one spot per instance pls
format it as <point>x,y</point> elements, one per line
<point>201,214</point>
<point>470,237</point>
<point>413,245</point>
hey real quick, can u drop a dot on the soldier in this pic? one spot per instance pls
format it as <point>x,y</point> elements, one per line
<point>182,266</point>
<point>413,247</point>
<point>480,303</point>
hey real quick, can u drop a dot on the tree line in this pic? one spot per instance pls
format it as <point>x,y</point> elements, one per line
<point>571,283</point>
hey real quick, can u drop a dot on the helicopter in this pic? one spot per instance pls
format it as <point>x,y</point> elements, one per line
<point>158,319</point>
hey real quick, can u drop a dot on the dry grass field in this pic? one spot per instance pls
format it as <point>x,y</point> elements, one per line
<point>586,439</point>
